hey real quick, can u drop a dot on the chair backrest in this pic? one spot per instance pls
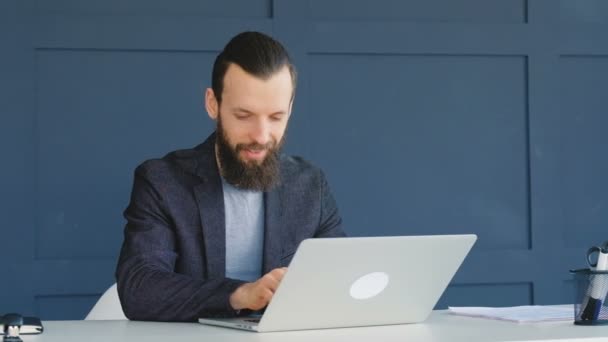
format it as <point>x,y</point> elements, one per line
<point>107,307</point>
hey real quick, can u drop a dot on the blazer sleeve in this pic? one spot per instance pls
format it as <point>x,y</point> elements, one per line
<point>330,223</point>
<point>148,286</point>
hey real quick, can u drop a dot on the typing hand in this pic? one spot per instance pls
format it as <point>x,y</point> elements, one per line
<point>257,295</point>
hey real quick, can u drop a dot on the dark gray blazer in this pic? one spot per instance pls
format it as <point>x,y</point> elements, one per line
<point>172,262</point>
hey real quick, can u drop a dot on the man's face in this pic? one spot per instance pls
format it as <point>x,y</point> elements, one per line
<point>252,119</point>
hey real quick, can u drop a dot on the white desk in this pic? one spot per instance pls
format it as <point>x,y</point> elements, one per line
<point>440,327</point>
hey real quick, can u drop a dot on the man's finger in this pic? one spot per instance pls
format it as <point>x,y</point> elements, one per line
<point>270,282</point>
<point>264,296</point>
<point>279,273</point>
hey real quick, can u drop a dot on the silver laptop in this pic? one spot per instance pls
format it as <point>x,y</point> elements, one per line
<point>360,281</point>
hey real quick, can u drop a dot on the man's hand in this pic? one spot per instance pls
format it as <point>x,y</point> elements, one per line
<point>257,295</point>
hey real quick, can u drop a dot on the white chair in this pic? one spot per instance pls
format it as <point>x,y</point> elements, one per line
<point>107,307</point>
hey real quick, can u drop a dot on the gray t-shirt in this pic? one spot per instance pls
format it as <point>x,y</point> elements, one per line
<point>244,212</point>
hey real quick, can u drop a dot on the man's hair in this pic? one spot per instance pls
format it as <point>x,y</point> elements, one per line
<point>256,53</point>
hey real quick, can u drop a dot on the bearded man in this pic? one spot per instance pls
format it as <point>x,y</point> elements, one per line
<point>211,230</point>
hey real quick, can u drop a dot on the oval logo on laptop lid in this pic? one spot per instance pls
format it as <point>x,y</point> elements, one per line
<point>369,285</point>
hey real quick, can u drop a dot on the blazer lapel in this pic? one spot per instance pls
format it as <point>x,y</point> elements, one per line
<point>211,211</point>
<point>210,199</point>
<point>274,230</point>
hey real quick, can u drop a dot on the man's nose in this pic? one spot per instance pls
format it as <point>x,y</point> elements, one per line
<point>261,133</point>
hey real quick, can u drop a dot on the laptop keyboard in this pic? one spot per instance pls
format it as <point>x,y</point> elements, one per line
<point>253,320</point>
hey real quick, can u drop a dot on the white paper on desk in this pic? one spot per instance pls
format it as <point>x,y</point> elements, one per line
<point>520,314</point>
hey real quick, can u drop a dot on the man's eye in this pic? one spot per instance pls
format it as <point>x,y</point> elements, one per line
<point>242,116</point>
<point>276,118</point>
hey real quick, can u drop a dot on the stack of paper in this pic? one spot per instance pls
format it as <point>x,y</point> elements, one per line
<point>520,314</point>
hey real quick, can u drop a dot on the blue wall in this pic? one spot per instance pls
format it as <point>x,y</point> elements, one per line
<point>429,117</point>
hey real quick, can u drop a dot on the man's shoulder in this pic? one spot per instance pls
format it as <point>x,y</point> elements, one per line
<point>298,168</point>
<point>183,160</point>
<point>180,161</point>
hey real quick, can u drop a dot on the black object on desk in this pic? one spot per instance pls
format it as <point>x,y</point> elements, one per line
<point>12,325</point>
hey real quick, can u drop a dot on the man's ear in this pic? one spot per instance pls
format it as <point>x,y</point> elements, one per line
<point>211,104</point>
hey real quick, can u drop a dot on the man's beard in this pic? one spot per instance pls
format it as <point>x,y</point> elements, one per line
<point>244,175</point>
